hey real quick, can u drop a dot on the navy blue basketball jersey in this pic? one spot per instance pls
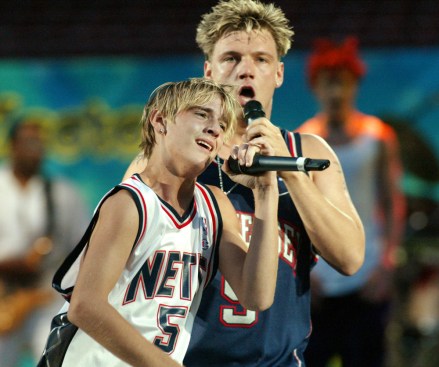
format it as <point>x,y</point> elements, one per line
<point>225,333</point>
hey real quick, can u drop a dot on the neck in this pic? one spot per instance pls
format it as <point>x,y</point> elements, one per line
<point>339,119</point>
<point>176,191</point>
<point>23,179</point>
<point>338,132</point>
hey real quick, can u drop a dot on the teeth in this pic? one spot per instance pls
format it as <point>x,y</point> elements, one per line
<point>204,144</point>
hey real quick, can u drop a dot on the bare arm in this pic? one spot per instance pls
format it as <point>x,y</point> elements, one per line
<point>321,199</point>
<point>28,266</point>
<point>326,209</point>
<point>252,275</point>
<point>392,215</point>
<point>392,201</point>
<point>108,251</point>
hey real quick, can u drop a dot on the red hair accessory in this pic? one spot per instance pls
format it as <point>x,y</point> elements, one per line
<point>328,55</point>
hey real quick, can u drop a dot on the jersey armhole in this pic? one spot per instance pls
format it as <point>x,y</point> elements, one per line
<point>64,278</point>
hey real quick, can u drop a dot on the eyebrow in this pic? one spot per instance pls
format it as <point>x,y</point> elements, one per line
<point>203,108</point>
<point>210,111</point>
<point>253,54</point>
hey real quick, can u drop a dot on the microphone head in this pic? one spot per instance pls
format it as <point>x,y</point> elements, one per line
<point>253,110</point>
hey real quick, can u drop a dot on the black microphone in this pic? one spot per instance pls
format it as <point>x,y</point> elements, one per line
<point>253,110</point>
<point>262,163</point>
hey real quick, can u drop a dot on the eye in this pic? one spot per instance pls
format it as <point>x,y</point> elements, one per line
<point>201,114</point>
<point>223,126</point>
<point>230,58</point>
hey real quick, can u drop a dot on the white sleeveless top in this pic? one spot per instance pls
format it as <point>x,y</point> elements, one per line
<point>359,162</point>
<point>159,291</point>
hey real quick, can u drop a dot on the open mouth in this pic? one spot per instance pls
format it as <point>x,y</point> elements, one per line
<point>247,92</point>
<point>205,145</point>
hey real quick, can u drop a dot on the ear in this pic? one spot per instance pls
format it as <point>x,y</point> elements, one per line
<point>158,121</point>
<point>279,79</point>
<point>207,70</point>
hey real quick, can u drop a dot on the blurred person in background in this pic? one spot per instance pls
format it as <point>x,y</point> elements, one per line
<point>350,314</point>
<point>40,220</point>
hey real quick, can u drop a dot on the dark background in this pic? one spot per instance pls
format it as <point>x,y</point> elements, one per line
<point>43,28</point>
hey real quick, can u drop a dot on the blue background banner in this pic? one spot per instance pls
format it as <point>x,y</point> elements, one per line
<point>92,106</point>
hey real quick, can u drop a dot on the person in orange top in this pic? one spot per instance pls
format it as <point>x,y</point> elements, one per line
<point>368,152</point>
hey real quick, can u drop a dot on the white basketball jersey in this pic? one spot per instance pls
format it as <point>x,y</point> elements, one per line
<point>160,289</point>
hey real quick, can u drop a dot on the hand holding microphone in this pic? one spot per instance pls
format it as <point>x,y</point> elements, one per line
<point>252,111</point>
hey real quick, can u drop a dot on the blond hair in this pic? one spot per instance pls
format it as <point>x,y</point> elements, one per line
<point>243,15</point>
<point>174,97</point>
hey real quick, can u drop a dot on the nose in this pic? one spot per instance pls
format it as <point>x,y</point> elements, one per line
<point>213,129</point>
<point>246,68</point>
<point>336,94</point>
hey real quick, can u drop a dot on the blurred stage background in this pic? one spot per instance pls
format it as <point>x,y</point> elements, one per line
<point>86,68</point>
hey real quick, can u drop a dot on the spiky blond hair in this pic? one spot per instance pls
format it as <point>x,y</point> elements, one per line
<point>174,97</point>
<point>243,15</point>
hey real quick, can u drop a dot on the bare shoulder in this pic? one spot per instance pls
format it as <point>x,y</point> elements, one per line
<point>224,203</point>
<point>315,146</point>
<point>220,196</point>
<point>137,165</point>
<point>119,200</point>
<point>119,207</point>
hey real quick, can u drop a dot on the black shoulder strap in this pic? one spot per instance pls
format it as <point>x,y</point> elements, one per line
<point>298,144</point>
<point>50,207</point>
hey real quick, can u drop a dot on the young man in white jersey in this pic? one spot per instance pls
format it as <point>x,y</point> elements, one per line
<point>134,282</point>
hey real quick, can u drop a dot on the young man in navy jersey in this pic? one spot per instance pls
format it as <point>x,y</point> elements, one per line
<point>243,42</point>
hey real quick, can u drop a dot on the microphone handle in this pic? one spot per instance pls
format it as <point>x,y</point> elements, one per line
<point>253,115</point>
<point>263,164</point>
